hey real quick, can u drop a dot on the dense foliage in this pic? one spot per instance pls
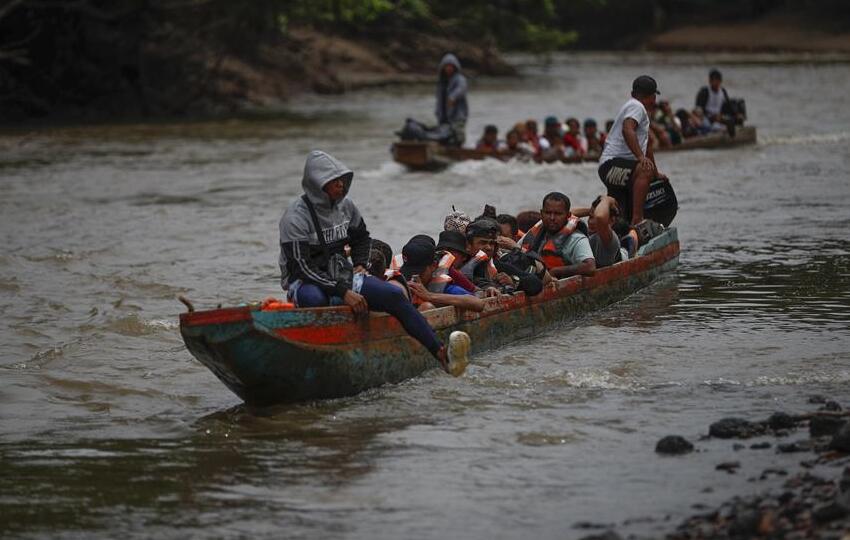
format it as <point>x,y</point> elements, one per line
<point>158,56</point>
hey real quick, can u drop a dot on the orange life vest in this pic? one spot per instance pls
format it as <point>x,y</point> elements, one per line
<point>550,252</point>
<point>441,278</point>
<point>473,263</point>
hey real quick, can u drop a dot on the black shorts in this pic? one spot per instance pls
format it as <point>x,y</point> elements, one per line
<point>618,176</point>
<point>618,173</point>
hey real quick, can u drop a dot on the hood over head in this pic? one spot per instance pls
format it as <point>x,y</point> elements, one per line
<point>449,58</point>
<point>319,169</point>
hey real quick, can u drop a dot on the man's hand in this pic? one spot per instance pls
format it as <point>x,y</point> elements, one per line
<point>504,279</point>
<point>359,269</point>
<point>645,164</point>
<point>419,290</point>
<point>356,301</point>
<point>506,243</point>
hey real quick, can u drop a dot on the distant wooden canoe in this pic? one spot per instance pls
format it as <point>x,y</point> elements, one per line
<point>268,357</point>
<point>743,135</point>
<point>430,156</point>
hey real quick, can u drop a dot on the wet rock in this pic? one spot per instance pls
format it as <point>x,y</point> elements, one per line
<point>830,406</point>
<point>841,439</point>
<point>796,446</point>
<point>830,512</point>
<point>745,524</point>
<point>734,428</point>
<point>781,420</point>
<point>817,399</point>
<point>674,445</point>
<point>844,483</point>
<point>825,425</point>
<point>728,466</point>
<point>738,446</point>
<point>760,446</point>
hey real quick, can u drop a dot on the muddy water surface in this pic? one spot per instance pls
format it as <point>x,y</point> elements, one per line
<point>109,427</point>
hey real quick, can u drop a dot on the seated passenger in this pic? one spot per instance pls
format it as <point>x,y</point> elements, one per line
<point>553,149</point>
<point>480,268</point>
<point>574,144</point>
<point>664,117</point>
<point>454,243</point>
<point>593,138</point>
<point>604,240</point>
<point>688,123</point>
<point>525,220</point>
<point>489,141</point>
<point>516,148</point>
<point>559,241</point>
<point>422,272</point>
<point>508,226</point>
<point>533,137</point>
<point>314,230</point>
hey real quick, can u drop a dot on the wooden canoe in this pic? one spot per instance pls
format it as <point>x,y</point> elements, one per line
<point>430,156</point>
<point>743,135</point>
<point>269,357</point>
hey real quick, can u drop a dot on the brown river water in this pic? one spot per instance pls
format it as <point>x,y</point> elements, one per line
<point>109,427</point>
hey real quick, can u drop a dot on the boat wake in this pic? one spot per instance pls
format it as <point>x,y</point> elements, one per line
<point>816,138</point>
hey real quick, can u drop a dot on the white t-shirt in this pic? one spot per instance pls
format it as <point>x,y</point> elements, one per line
<point>715,102</point>
<point>615,143</point>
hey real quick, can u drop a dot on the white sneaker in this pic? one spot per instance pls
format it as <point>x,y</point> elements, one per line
<point>458,352</point>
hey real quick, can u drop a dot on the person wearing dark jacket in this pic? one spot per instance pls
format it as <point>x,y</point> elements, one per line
<point>714,101</point>
<point>304,259</point>
<point>452,109</point>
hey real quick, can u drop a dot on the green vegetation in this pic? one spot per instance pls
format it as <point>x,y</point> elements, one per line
<point>131,57</point>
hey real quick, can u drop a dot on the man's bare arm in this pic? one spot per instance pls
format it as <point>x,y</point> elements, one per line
<point>586,267</point>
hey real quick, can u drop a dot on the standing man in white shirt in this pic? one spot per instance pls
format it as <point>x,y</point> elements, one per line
<point>627,165</point>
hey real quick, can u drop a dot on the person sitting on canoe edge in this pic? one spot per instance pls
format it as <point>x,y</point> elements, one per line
<point>627,165</point>
<point>489,142</point>
<point>452,109</point>
<point>560,239</point>
<point>427,282</point>
<point>603,225</point>
<point>314,231</point>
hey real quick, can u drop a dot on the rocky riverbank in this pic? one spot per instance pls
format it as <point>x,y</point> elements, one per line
<point>813,501</point>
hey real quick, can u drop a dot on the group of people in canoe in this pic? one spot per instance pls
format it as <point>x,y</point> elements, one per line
<point>572,140</point>
<point>327,256</point>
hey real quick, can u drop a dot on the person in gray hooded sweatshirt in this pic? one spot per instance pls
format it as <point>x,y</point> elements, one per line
<point>452,109</point>
<point>304,261</point>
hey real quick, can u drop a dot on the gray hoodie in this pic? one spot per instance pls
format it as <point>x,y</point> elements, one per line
<point>454,89</point>
<point>301,254</point>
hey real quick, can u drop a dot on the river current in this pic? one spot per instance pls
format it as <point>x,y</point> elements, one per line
<point>109,427</point>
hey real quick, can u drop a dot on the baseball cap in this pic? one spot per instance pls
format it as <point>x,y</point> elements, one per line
<point>417,255</point>
<point>550,120</point>
<point>645,85</point>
